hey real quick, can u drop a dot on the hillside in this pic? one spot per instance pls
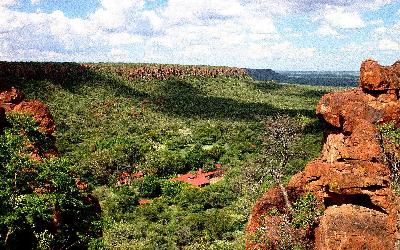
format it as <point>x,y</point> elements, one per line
<point>112,124</point>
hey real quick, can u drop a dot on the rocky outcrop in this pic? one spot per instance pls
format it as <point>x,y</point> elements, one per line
<point>11,100</point>
<point>379,78</point>
<point>40,113</point>
<point>353,227</point>
<point>350,179</point>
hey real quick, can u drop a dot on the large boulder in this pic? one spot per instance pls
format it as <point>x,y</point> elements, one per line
<point>354,227</point>
<point>344,110</point>
<point>9,97</point>
<point>375,77</point>
<point>40,113</point>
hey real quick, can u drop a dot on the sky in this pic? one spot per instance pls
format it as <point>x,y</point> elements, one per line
<point>277,34</point>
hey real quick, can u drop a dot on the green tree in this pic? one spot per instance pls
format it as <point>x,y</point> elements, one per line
<point>40,203</point>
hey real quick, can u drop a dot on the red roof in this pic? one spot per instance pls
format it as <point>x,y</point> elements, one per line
<point>199,179</point>
<point>137,174</point>
<point>144,202</point>
<point>183,177</point>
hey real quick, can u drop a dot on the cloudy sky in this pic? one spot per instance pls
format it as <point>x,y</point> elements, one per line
<point>277,34</point>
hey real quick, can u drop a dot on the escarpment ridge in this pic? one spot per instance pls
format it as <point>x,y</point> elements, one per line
<point>70,72</point>
<point>351,179</point>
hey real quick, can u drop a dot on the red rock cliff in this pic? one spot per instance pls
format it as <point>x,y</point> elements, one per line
<point>13,100</point>
<point>350,178</point>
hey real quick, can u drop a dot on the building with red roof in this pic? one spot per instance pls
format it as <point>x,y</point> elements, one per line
<point>200,178</point>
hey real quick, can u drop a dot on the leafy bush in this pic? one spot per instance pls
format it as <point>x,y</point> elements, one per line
<point>165,163</point>
<point>195,158</point>
<point>192,198</point>
<point>305,211</point>
<point>171,189</point>
<point>215,152</point>
<point>208,135</point>
<point>117,201</point>
<point>150,186</point>
<point>111,158</point>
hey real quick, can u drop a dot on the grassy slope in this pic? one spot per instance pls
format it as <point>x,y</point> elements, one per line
<point>99,117</point>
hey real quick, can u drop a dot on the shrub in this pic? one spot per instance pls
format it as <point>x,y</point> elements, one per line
<point>150,186</point>
<point>127,198</point>
<point>165,163</point>
<point>208,135</point>
<point>215,152</point>
<point>192,198</point>
<point>305,211</point>
<point>390,143</point>
<point>171,189</point>
<point>111,158</point>
<point>195,158</point>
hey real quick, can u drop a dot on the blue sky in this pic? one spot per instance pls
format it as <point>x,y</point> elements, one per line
<point>282,35</point>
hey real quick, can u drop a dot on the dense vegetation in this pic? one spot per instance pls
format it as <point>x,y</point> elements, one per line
<point>107,125</point>
<point>36,195</point>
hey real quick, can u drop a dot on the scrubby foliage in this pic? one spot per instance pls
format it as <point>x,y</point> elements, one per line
<point>390,142</point>
<point>306,211</point>
<point>41,206</point>
<point>281,134</point>
<point>109,124</point>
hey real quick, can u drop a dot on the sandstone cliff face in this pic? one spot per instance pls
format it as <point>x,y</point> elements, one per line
<point>350,178</point>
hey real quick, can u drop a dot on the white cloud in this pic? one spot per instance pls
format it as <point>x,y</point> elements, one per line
<point>242,32</point>
<point>119,55</point>
<point>123,38</point>
<point>35,2</point>
<point>7,3</point>
<point>339,17</point>
<point>380,30</point>
<point>357,48</point>
<point>327,30</point>
<point>39,36</point>
<point>387,44</point>
<point>279,50</point>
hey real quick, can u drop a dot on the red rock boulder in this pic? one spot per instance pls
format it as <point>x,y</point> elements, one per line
<point>354,227</point>
<point>375,77</point>
<point>9,97</point>
<point>40,113</point>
